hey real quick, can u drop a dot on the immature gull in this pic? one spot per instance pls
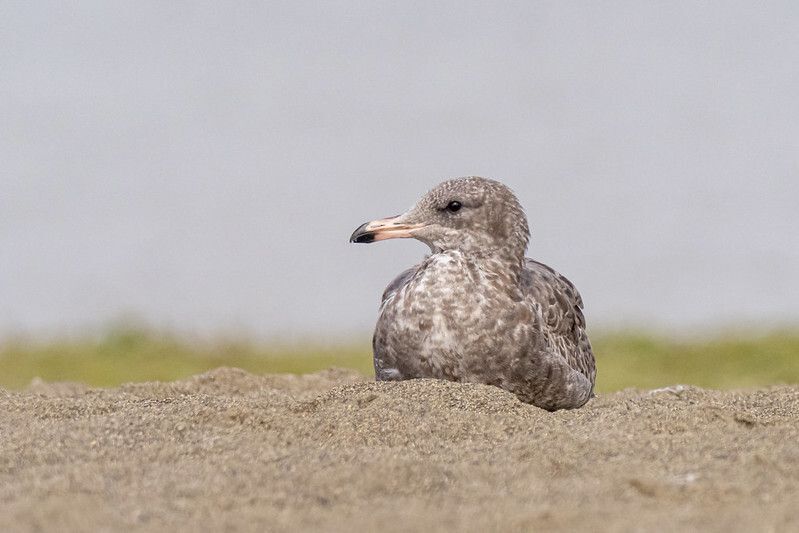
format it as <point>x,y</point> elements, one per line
<point>476,310</point>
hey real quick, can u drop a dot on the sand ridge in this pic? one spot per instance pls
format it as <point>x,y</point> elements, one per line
<point>333,451</point>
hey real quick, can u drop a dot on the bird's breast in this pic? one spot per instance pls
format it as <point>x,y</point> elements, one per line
<point>446,291</point>
<point>444,321</point>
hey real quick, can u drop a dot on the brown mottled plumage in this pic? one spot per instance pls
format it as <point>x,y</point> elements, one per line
<point>476,310</point>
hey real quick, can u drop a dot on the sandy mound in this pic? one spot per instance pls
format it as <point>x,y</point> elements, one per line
<point>230,451</point>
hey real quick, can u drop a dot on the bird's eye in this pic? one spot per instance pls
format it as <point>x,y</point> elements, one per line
<point>454,206</point>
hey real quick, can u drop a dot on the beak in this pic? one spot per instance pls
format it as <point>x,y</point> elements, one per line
<point>382,229</point>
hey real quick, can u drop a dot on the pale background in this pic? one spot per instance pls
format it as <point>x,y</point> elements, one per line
<point>200,167</point>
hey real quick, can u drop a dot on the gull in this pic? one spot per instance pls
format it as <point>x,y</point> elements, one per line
<point>477,310</point>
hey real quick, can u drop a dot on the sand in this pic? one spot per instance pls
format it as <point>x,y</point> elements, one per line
<point>333,451</point>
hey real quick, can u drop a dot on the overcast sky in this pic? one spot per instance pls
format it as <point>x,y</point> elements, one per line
<point>200,167</point>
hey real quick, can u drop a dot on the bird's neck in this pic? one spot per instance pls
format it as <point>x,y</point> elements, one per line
<point>502,262</point>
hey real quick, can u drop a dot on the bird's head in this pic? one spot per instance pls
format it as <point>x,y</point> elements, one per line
<point>466,214</point>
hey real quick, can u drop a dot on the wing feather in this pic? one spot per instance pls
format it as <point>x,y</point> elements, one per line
<point>397,283</point>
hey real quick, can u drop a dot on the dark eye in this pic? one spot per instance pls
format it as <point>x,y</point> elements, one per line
<point>454,206</point>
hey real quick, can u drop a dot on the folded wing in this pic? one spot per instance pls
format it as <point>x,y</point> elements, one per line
<point>562,313</point>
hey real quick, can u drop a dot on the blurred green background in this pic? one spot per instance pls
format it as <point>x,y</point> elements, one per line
<point>623,359</point>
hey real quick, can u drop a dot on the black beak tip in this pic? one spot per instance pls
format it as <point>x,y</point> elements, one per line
<point>360,235</point>
<point>363,238</point>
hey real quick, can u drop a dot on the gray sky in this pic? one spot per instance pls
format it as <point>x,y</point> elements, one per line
<point>201,166</point>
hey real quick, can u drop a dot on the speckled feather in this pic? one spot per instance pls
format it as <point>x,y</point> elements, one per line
<point>476,310</point>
